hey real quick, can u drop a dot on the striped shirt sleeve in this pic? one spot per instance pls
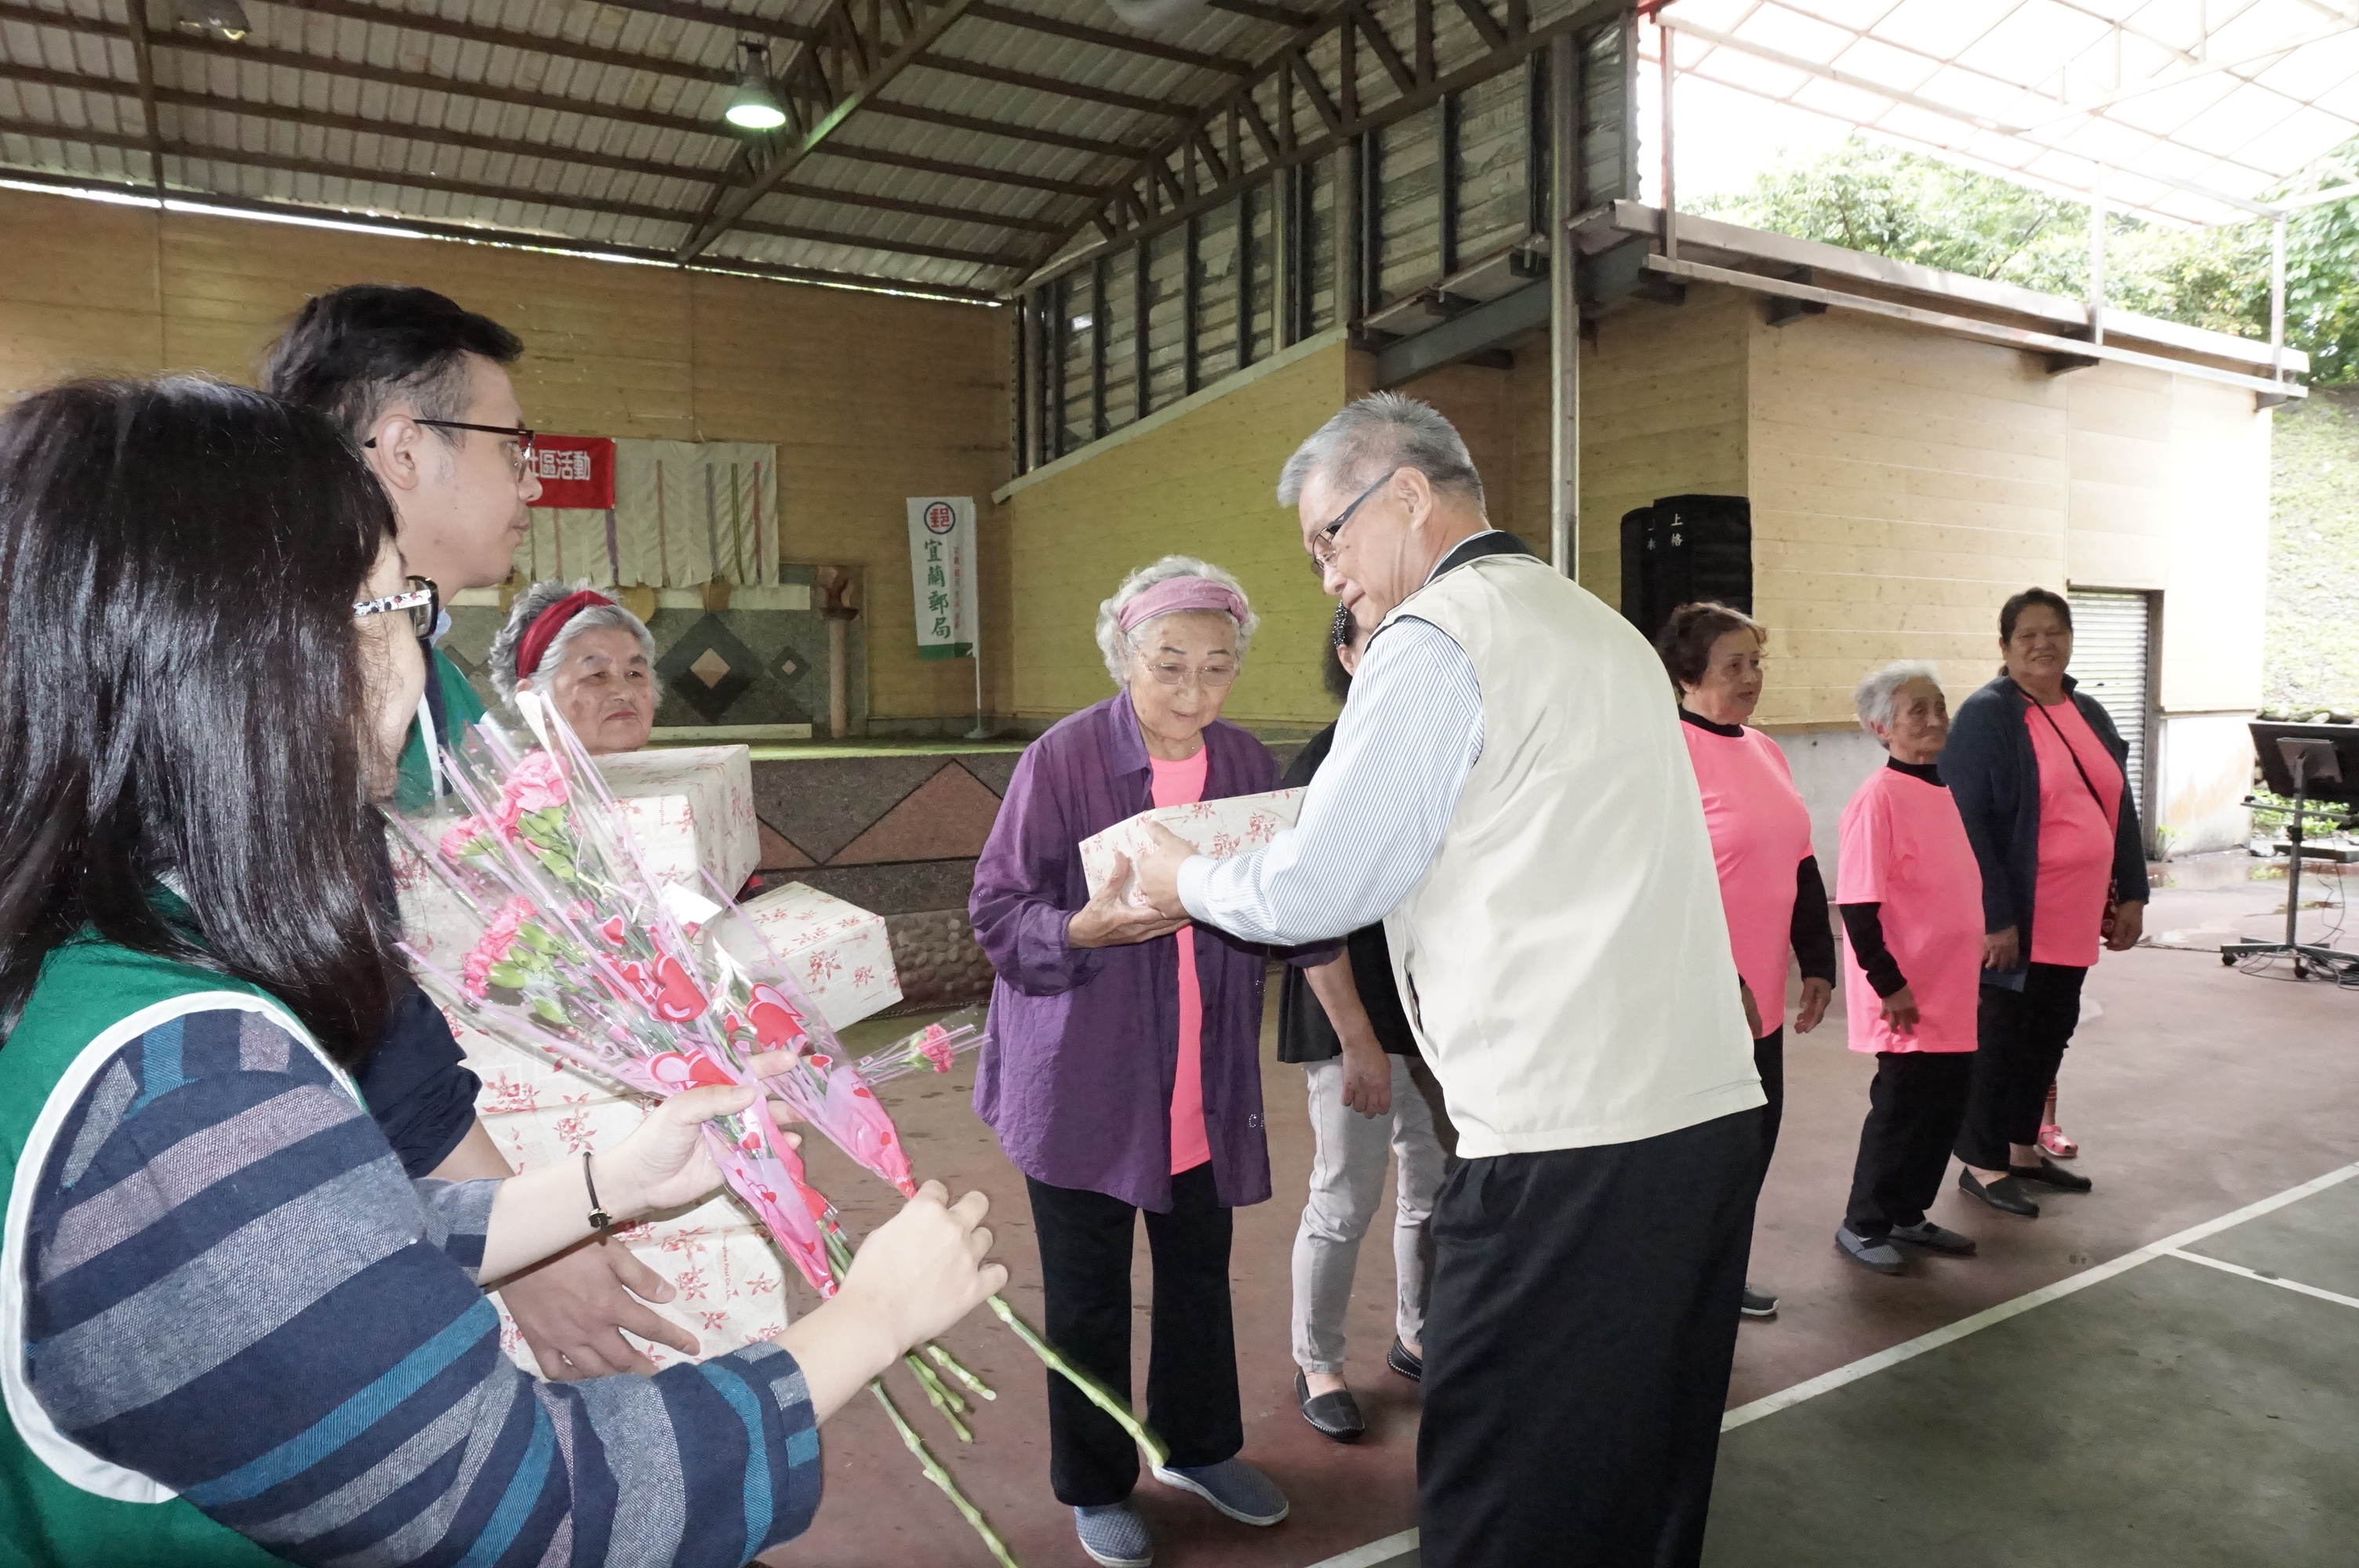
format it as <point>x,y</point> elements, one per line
<point>234,1289</point>
<point>1373,818</point>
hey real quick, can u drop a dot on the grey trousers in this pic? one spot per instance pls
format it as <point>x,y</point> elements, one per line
<point>1347,1181</point>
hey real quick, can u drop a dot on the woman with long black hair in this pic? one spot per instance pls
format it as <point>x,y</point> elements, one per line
<point>231,1329</point>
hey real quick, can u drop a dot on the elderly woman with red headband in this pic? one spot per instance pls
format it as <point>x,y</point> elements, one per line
<point>588,657</point>
<point>1124,1069</point>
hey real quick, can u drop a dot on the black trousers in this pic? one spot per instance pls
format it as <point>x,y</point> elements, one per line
<point>2019,1038</point>
<point>1191,1369</point>
<point>1769,1061</point>
<point>1577,1351</point>
<point>1914,1106</point>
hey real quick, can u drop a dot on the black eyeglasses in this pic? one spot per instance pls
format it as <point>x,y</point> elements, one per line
<point>422,600</point>
<point>520,454</point>
<point>1322,549</point>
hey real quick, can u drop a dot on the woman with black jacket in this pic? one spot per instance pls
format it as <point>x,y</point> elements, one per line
<point>2041,778</point>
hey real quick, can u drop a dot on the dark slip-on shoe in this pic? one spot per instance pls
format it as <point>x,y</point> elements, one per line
<point>1934,1238</point>
<point>1405,1361</point>
<point>2048,1173</point>
<point>1335,1415</point>
<point>2006,1194</point>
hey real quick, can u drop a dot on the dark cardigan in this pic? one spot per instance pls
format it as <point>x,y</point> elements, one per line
<point>1994,775</point>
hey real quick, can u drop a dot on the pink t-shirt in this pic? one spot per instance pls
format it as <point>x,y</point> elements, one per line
<point>1904,848</point>
<point>1760,836</point>
<point>1182,784</point>
<point>2076,837</point>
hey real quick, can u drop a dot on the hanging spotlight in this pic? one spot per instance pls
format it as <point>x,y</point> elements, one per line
<point>211,19</point>
<point>753,107</point>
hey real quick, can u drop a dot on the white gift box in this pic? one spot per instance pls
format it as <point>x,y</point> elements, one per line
<point>1216,827</point>
<point>836,951</point>
<point>691,811</point>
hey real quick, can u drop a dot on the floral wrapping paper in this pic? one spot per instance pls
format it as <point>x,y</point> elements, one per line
<point>1216,827</point>
<point>691,810</point>
<point>838,952</point>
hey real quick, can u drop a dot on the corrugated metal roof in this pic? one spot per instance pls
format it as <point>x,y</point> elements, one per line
<point>598,122</point>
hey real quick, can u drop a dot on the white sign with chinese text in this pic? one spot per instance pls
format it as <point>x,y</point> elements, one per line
<point>941,571</point>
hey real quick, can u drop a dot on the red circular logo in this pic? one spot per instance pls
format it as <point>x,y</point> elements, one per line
<point>941,518</point>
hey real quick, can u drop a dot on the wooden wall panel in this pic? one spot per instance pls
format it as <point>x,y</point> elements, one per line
<point>2217,551</point>
<point>1903,485</point>
<point>870,398</point>
<point>1200,484</point>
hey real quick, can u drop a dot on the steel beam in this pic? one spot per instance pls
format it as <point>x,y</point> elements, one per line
<point>1476,331</point>
<point>1564,306</point>
<point>845,69</point>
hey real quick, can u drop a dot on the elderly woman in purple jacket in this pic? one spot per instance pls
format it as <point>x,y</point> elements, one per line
<point>1123,1071</point>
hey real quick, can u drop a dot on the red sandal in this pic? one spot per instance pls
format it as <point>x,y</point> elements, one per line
<point>2052,1137</point>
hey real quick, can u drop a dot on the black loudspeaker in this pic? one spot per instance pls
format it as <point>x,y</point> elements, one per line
<point>1686,547</point>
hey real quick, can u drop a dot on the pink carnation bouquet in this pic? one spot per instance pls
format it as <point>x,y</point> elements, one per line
<point>582,957</point>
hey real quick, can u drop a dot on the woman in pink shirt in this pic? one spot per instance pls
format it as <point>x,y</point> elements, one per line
<point>1912,899</point>
<point>2040,776</point>
<point>1769,883</point>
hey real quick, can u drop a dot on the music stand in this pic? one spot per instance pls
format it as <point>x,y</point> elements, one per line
<point>2303,763</point>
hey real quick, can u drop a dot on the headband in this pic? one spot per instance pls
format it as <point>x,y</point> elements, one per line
<point>534,644</point>
<point>1177,593</point>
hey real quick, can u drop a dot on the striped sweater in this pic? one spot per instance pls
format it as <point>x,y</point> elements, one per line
<point>234,1289</point>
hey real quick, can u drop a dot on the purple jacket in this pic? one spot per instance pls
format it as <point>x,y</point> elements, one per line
<point>1076,1079</point>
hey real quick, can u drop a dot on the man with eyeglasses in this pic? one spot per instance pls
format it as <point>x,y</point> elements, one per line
<point>421,387</point>
<point>1510,792</point>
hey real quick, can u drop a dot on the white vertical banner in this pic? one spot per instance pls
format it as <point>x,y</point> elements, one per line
<point>941,571</point>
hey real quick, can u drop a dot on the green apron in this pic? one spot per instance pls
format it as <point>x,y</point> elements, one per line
<point>461,707</point>
<point>91,999</point>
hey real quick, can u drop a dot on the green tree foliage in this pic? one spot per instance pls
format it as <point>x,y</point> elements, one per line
<point>1866,196</point>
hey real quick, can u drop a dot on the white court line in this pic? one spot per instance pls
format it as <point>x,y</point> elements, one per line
<point>1743,1415</point>
<point>2284,1284</point>
<point>1378,1552</point>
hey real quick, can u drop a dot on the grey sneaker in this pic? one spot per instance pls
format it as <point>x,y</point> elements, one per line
<point>1758,1304</point>
<point>1114,1535</point>
<point>1881,1256</point>
<point>1934,1238</point>
<point>1233,1486</point>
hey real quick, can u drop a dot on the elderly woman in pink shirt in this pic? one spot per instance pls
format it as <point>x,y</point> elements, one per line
<point>1769,883</point>
<point>1912,898</point>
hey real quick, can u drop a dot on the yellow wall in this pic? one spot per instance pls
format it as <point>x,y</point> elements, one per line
<point>1200,482</point>
<point>1904,482</point>
<point>1662,413</point>
<point>869,398</point>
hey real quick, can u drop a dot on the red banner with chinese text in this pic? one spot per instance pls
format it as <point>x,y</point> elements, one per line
<point>576,471</point>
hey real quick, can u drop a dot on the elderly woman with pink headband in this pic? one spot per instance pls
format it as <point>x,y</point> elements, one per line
<point>1123,1073</point>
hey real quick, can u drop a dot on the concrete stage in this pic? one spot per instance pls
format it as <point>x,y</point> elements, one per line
<point>2099,1400</point>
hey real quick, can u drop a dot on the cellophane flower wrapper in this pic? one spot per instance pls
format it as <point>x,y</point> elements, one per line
<point>586,958</point>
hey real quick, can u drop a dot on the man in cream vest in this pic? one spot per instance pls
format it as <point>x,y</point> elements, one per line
<point>1509,792</point>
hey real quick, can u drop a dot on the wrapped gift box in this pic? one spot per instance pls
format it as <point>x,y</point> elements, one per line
<point>836,951</point>
<point>1216,827</point>
<point>692,809</point>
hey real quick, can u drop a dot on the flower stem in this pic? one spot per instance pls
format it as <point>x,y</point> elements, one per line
<point>946,1403</point>
<point>950,1363</point>
<point>942,1478</point>
<point>1097,1392</point>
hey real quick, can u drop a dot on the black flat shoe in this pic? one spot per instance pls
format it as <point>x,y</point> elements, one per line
<point>1335,1415</point>
<point>2048,1173</point>
<point>1405,1361</point>
<point>2006,1194</point>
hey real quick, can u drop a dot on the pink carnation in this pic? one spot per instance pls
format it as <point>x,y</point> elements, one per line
<point>498,937</point>
<point>469,836</point>
<point>536,784</point>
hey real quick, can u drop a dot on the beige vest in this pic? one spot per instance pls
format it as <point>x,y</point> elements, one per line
<point>1565,962</point>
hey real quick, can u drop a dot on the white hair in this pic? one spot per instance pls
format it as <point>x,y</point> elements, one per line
<point>1876,693</point>
<point>526,609</point>
<point>1117,646</point>
<point>1375,435</point>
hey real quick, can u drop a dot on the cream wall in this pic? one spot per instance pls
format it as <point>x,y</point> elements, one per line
<point>868,397</point>
<point>1198,479</point>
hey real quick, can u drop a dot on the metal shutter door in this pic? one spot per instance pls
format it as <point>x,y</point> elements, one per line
<point>2110,648</point>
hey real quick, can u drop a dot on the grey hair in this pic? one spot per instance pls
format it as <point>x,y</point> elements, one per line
<point>1875,697</point>
<point>1117,646</point>
<point>526,609</point>
<point>1374,436</point>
